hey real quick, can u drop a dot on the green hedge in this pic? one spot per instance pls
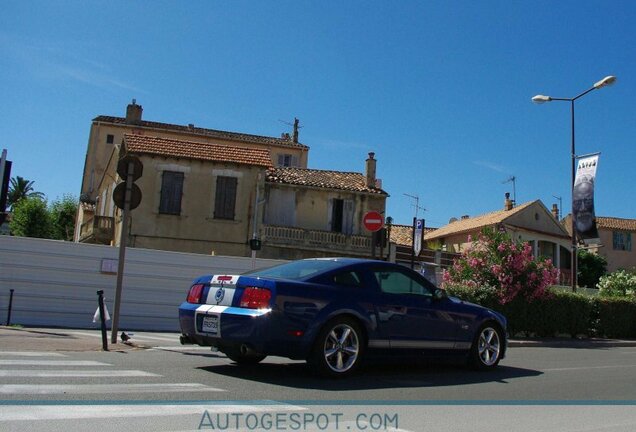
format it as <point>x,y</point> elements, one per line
<point>559,313</point>
<point>615,317</point>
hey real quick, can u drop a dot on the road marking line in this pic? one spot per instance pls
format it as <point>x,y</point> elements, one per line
<point>72,412</point>
<point>588,367</point>
<point>52,363</point>
<point>31,354</point>
<point>79,374</point>
<point>41,389</point>
<point>181,348</point>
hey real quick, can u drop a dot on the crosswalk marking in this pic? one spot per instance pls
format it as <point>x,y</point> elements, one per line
<point>73,412</point>
<point>31,354</point>
<point>103,388</point>
<point>182,348</point>
<point>51,363</point>
<point>74,373</point>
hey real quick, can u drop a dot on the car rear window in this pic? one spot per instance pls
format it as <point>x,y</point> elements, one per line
<point>297,270</point>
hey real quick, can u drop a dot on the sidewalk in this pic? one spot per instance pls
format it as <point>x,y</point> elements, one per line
<point>52,339</point>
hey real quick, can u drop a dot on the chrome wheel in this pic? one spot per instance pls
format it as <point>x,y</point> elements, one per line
<point>489,346</point>
<point>342,348</point>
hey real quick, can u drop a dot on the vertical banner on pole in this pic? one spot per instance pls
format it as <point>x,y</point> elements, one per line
<point>583,198</point>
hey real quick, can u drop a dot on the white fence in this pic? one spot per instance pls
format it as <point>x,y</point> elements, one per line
<point>55,283</point>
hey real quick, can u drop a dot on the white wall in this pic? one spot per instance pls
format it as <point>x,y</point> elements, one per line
<point>56,282</point>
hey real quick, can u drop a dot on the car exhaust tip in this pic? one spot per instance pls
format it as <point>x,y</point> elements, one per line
<point>246,350</point>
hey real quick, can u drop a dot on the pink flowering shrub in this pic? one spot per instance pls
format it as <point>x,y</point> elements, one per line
<point>497,262</point>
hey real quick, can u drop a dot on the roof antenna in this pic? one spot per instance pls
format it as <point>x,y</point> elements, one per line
<point>416,204</point>
<point>295,125</point>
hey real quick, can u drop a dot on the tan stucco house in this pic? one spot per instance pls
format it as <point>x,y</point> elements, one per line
<point>530,222</point>
<point>615,241</point>
<point>209,191</point>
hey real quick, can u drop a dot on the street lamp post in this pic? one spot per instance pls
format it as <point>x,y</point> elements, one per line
<point>539,99</point>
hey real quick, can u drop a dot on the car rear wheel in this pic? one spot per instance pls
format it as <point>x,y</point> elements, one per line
<point>338,349</point>
<point>487,347</point>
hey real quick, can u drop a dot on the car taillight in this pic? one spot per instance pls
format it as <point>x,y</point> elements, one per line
<point>256,298</point>
<point>194,295</point>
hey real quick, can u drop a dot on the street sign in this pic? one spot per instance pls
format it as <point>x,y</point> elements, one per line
<point>373,221</point>
<point>122,167</point>
<point>417,236</point>
<point>119,196</point>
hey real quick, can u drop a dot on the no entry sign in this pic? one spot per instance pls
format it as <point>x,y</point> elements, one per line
<point>373,221</point>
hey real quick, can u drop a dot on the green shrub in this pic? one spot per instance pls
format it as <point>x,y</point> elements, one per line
<point>615,317</point>
<point>620,283</point>
<point>557,313</point>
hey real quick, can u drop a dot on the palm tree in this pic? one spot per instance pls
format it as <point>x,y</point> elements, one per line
<point>21,188</point>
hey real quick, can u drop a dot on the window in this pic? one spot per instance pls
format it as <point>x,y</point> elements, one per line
<point>110,139</point>
<point>225,199</point>
<point>171,192</point>
<point>287,160</point>
<point>347,279</point>
<point>342,215</point>
<point>622,240</point>
<point>395,282</point>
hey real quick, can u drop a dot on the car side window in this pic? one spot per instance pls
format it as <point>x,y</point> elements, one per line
<point>348,278</point>
<point>395,282</point>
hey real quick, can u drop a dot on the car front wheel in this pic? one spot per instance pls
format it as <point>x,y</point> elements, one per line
<point>487,348</point>
<point>338,349</point>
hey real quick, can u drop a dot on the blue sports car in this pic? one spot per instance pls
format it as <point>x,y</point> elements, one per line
<point>333,312</point>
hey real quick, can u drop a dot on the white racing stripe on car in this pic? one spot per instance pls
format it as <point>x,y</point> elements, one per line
<point>211,309</point>
<point>71,412</point>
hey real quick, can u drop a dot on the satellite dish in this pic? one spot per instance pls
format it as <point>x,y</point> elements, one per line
<point>453,219</point>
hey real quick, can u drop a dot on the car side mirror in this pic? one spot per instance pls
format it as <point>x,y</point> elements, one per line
<point>439,294</point>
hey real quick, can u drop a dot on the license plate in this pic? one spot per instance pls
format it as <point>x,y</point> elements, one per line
<point>211,324</point>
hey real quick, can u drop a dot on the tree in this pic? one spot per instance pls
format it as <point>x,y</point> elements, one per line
<point>21,188</point>
<point>62,213</point>
<point>30,218</point>
<point>498,262</point>
<point>590,268</point>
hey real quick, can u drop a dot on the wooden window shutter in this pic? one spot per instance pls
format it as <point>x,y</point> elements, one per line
<point>225,199</point>
<point>171,192</point>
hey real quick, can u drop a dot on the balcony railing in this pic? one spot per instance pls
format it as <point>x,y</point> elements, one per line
<point>97,229</point>
<point>315,239</point>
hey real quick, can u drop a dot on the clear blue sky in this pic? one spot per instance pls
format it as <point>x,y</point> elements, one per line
<point>440,91</point>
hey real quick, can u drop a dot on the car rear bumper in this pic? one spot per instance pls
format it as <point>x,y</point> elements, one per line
<point>258,329</point>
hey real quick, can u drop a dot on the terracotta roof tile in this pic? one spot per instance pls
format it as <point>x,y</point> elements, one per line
<point>475,223</point>
<point>616,223</point>
<point>142,144</point>
<point>233,136</point>
<point>403,234</point>
<point>323,179</point>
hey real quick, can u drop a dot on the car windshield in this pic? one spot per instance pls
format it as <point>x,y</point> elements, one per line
<point>297,270</point>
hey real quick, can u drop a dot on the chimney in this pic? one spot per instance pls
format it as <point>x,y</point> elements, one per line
<point>507,202</point>
<point>296,130</point>
<point>555,211</point>
<point>133,113</point>
<point>370,171</point>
